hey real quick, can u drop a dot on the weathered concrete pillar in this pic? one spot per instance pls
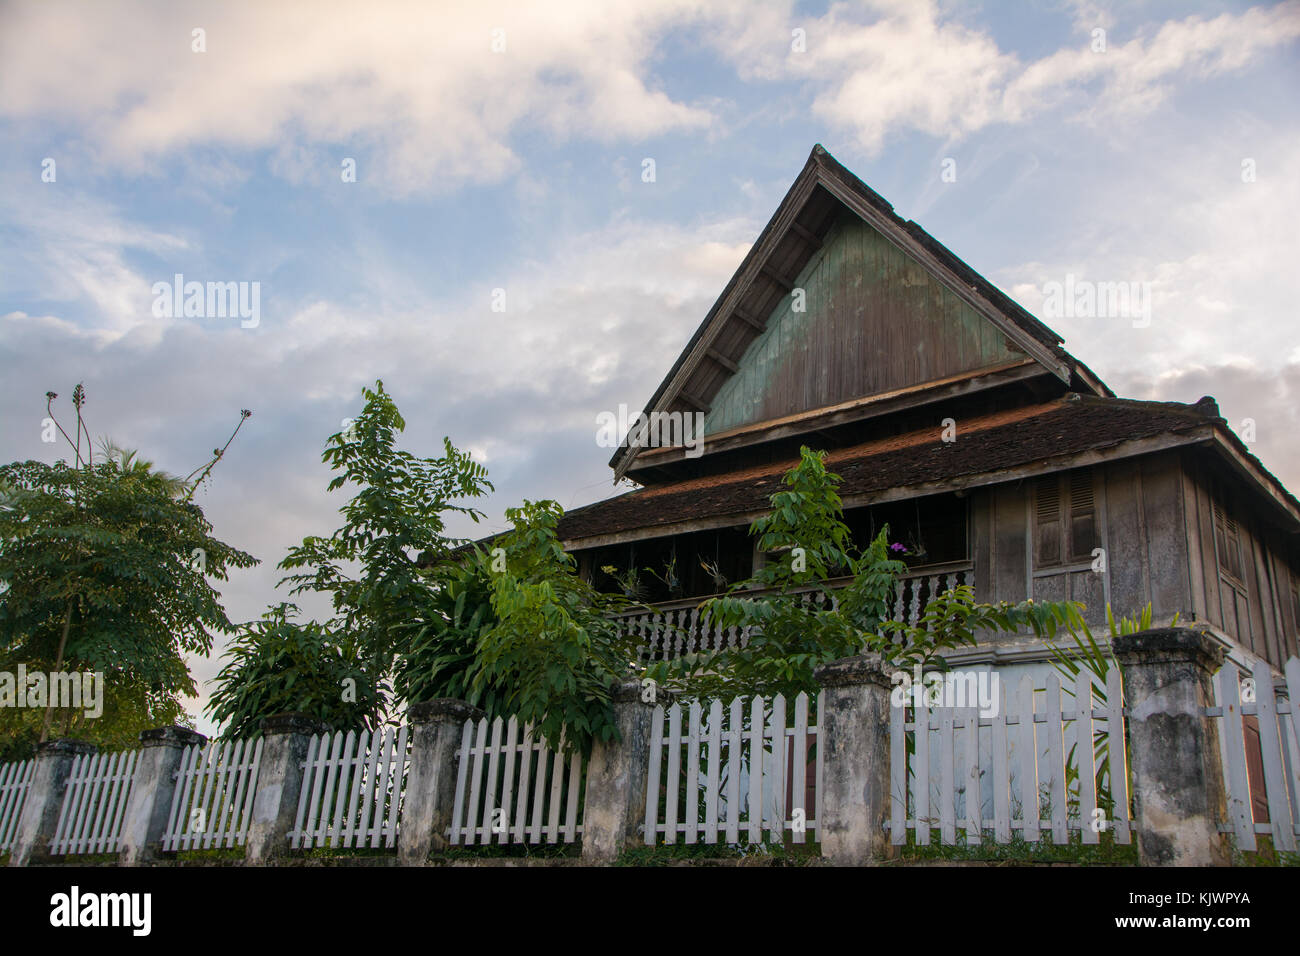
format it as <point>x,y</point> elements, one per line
<point>44,799</point>
<point>1178,793</point>
<point>431,778</point>
<point>152,787</point>
<point>279,781</point>
<point>617,775</point>
<point>854,733</point>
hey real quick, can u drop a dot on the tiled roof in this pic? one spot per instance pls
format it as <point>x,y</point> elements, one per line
<point>989,443</point>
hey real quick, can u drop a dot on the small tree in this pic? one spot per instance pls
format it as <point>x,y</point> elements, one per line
<point>278,665</point>
<point>107,566</point>
<point>517,632</point>
<point>393,528</point>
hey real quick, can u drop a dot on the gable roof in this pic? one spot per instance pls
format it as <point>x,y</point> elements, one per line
<point>995,447</point>
<point>816,200</point>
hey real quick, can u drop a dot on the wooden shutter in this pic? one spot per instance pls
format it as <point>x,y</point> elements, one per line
<point>1083,515</point>
<point>1227,540</point>
<point>1047,521</point>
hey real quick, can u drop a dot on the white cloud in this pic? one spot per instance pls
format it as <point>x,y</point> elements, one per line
<point>418,82</point>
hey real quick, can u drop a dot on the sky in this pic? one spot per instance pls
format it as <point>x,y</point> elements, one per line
<point>454,198</point>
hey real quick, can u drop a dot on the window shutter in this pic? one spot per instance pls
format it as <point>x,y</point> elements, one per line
<point>1047,521</point>
<point>1083,515</point>
<point>1228,541</point>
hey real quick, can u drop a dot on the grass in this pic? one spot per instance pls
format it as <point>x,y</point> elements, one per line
<point>1106,852</point>
<point>1265,854</point>
<point>744,854</point>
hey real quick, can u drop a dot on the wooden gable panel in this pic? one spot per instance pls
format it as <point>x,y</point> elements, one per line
<point>875,320</point>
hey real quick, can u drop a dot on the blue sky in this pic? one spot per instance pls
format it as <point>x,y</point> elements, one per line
<point>520,169</point>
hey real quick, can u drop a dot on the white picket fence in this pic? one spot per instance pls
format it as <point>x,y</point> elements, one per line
<point>712,781</point>
<point>502,778</point>
<point>212,802</point>
<point>1275,708</point>
<point>1004,775</point>
<point>15,778</point>
<point>352,789</point>
<point>94,803</point>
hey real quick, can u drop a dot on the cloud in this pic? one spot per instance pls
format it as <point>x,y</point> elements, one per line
<point>417,84</point>
<point>889,66</point>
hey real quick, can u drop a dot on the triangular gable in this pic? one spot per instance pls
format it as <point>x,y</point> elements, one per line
<point>828,225</point>
<point>870,320</point>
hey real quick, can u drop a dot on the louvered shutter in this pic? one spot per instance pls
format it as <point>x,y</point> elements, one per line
<point>1083,516</point>
<point>1047,521</point>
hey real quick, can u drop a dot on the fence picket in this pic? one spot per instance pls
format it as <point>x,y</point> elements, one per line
<point>799,766</point>
<point>1237,783</point>
<point>650,828</point>
<point>1029,809</point>
<point>776,831</point>
<point>1270,745</point>
<point>735,721</point>
<point>714,742</point>
<point>1056,760</point>
<point>1084,756</point>
<point>947,792</point>
<point>921,799</point>
<point>757,714</point>
<point>971,776</point>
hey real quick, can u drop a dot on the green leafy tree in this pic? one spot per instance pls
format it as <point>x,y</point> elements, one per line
<point>108,566</point>
<point>373,568</point>
<point>517,632</point>
<point>277,665</point>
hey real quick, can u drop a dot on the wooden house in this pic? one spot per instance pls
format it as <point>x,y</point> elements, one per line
<point>851,330</point>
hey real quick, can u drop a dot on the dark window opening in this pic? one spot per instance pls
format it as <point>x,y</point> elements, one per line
<point>668,569</point>
<point>927,531</point>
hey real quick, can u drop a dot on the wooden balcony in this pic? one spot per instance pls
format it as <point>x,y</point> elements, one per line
<point>672,628</point>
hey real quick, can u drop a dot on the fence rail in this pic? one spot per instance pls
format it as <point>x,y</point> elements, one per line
<point>1278,721</point>
<point>352,789</point>
<point>94,803</point>
<point>15,779</point>
<point>947,774</point>
<point>503,794</point>
<point>669,632</point>
<point>760,786</point>
<point>212,802</point>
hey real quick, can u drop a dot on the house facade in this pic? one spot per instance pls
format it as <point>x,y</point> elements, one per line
<point>954,416</point>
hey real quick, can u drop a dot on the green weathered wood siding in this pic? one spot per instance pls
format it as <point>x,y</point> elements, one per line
<point>875,321</point>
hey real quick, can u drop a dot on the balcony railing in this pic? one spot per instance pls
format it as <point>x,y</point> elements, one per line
<point>673,628</point>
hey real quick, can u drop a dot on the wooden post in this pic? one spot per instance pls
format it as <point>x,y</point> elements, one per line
<point>152,787</point>
<point>854,721</point>
<point>431,779</point>
<point>44,799</point>
<point>1178,792</point>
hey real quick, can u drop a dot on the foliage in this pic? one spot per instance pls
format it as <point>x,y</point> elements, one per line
<point>541,647</point>
<point>1088,655</point>
<point>107,566</point>
<point>394,526</point>
<point>798,622</point>
<point>100,573</point>
<point>278,665</point>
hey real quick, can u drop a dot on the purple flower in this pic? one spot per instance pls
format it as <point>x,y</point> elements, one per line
<point>897,547</point>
